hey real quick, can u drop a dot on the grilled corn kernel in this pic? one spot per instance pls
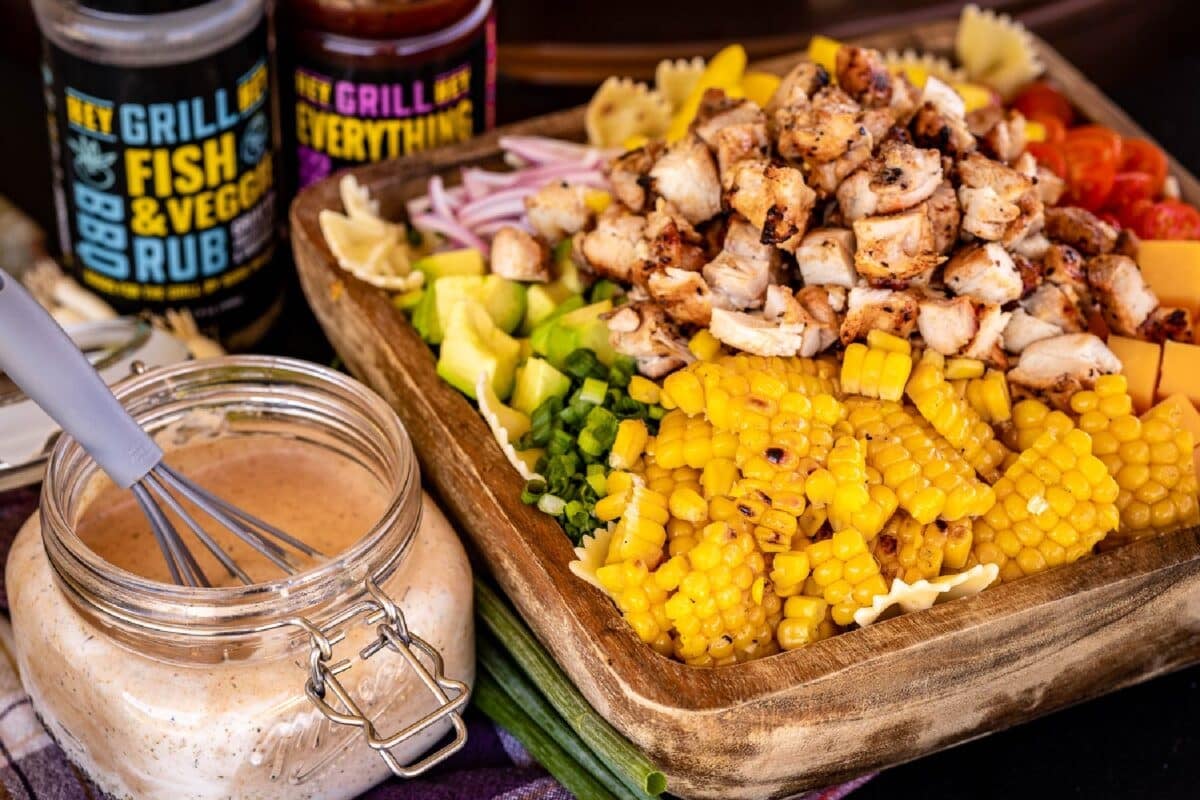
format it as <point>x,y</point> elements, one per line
<point>629,445</point>
<point>908,550</point>
<point>643,390</point>
<point>878,370</point>
<point>705,346</point>
<point>882,340</point>
<point>963,369</point>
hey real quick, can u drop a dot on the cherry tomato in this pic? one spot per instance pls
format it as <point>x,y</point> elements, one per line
<point>1128,188</point>
<point>1055,130</point>
<point>1050,156</point>
<point>1096,134</point>
<point>1141,155</point>
<point>1168,219</point>
<point>1129,215</point>
<point>1090,174</point>
<point>1040,96</point>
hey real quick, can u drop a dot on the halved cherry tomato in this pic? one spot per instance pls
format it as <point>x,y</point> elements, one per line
<point>1144,156</point>
<point>1168,219</point>
<point>1098,134</point>
<point>1050,156</point>
<point>1055,130</point>
<point>1090,173</point>
<point>1040,96</point>
<point>1131,213</point>
<point>1128,188</point>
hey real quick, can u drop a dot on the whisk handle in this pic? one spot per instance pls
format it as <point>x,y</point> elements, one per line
<point>40,358</point>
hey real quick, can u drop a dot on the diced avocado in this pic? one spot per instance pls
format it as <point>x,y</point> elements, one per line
<point>566,271</point>
<point>582,327</point>
<point>543,329</point>
<point>467,261</point>
<point>472,344</point>
<point>408,301</point>
<point>537,381</point>
<point>445,295</point>
<point>540,301</point>
<point>504,301</point>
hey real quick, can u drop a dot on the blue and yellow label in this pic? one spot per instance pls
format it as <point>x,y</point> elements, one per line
<point>166,180</point>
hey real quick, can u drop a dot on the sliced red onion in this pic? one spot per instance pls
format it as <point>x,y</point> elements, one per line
<point>508,208</point>
<point>544,150</point>
<point>438,200</point>
<point>451,229</point>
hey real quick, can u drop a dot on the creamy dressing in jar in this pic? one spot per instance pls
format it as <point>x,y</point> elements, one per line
<point>163,691</point>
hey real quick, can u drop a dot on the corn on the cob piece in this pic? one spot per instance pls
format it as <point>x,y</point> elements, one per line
<point>642,601</point>
<point>954,418</point>
<point>1150,457</point>
<point>1052,506</point>
<point>908,550</point>
<point>805,620</point>
<point>929,477</point>
<point>844,574</point>
<point>1032,417</point>
<point>719,605</point>
<point>988,395</point>
<point>879,369</point>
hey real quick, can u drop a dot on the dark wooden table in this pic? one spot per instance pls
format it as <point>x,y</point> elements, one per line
<point>1143,742</point>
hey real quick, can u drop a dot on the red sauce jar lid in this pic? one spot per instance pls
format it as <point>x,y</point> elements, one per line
<point>381,19</point>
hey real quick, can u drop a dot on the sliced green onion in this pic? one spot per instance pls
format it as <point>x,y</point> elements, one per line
<point>560,443</point>
<point>598,481</point>
<point>593,391</point>
<point>580,363</point>
<point>533,490</point>
<point>551,504</point>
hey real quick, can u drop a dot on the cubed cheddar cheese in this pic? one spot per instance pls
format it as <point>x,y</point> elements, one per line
<point>1180,372</point>
<point>1139,364</point>
<point>1172,270</point>
<point>1189,417</point>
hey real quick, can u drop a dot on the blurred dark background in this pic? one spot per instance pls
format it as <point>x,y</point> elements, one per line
<point>1143,742</point>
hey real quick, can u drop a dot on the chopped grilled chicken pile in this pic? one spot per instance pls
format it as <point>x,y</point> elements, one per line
<point>850,203</point>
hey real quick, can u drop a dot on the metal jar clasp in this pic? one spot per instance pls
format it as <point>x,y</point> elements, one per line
<point>394,635</point>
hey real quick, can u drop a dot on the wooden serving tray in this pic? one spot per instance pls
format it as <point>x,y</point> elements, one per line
<point>799,720</point>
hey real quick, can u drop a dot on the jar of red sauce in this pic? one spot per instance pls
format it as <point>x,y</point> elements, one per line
<point>369,80</point>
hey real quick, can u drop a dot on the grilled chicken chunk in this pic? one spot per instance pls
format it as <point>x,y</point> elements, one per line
<point>1062,365</point>
<point>1024,329</point>
<point>798,86</point>
<point>518,256</point>
<point>945,217</point>
<point>943,98</point>
<point>672,241</point>
<point>1050,187</point>
<point>557,211</point>
<point>1056,305</point>
<point>999,204</point>
<point>822,130</point>
<point>616,247</point>
<point>1167,323</point>
<point>898,178</point>
<point>1033,246</point>
<point>985,272</point>
<point>862,73</point>
<point>878,309</point>
<point>629,176</point>
<point>740,273</point>
<point>1004,139</point>
<point>1081,229</point>
<point>733,129</point>
<point>1062,265</point>
<point>895,248</point>
<point>642,331</point>
<point>988,344</point>
<point>822,304</point>
<point>753,333</point>
<point>682,294</point>
<point>933,127</point>
<point>1118,287</point>
<point>948,325</point>
<point>687,176</point>
<point>826,257</point>
<point>775,199</point>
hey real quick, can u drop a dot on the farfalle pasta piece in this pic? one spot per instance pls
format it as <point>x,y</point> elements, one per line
<point>919,67</point>
<point>590,555</point>
<point>622,109</point>
<point>674,79</point>
<point>905,597</point>
<point>996,50</point>
<point>365,245</point>
<point>357,200</point>
<point>507,425</point>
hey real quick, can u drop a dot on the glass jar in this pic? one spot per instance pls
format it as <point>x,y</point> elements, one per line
<point>168,691</point>
<point>164,156</point>
<point>373,80</point>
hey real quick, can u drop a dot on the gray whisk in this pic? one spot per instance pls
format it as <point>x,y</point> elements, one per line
<point>42,360</point>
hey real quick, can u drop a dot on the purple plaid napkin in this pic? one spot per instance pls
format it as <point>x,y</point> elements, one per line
<point>492,766</point>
